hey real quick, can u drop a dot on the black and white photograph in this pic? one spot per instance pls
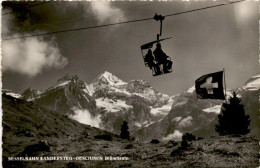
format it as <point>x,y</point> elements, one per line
<point>118,84</point>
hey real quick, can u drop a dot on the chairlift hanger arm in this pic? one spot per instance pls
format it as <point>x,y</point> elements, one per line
<point>161,18</point>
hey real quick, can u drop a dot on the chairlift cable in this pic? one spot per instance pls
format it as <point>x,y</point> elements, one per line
<point>194,10</point>
<point>118,23</point>
<point>80,19</point>
<point>82,28</point>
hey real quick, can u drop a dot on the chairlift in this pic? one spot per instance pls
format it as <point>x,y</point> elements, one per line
<point>149,46</point>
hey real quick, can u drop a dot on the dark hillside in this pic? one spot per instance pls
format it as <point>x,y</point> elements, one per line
<point>26,124</point>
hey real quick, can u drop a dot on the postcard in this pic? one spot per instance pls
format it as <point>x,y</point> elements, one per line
<point>130,84</point>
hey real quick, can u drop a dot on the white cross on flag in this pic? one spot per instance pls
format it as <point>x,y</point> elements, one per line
<point>210,86</point>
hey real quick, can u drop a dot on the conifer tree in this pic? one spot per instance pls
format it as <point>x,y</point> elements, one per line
<point>232,119</point>
<point>124,131</point>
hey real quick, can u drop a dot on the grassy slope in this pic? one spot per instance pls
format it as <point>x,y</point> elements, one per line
<point>66,138</point>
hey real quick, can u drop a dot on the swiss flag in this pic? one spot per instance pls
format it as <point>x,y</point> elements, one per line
<point>210,86</point>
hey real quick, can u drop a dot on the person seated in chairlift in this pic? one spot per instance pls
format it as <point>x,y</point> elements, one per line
<point>162,58</point>
<point>149,58</point>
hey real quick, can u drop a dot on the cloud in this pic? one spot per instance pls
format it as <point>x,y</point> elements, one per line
<point>244,13</point>
<point>30,56</point>
<point>176,136</point>
<point>84,117</point>
<point>106,13</point>
<point>185,122</point>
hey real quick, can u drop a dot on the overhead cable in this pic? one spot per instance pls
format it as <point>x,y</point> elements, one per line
<point>118,23</point>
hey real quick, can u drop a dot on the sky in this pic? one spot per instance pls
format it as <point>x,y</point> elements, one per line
<point>202,42</point>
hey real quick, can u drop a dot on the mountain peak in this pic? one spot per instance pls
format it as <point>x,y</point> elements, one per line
<point>106,75</point>
<point>69,80</point>
<point>30,93</point>
<point>68,77</point>
<point>109,79</point>
<point>28,89</point>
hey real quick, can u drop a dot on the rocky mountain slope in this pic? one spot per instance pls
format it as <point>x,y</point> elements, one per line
<point>32,131</point>
<point>66,96</point>
<point>26,125</point>
<point>30,93</point>
<point>105,102</point>
<point>198,116</point>
<point>108,101</point>
<point>34,128</point>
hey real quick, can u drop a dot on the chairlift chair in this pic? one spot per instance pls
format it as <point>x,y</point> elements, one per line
<point>149,45</point>
<point>146,47</point>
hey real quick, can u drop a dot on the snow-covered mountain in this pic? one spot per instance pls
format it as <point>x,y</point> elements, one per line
<point>135,101</point>
<point>187,114</point>
<point>105,102</point>
<point>103,81</point>
<point>253,83</point>
<point>67,96</point>
<point>109,85</point>
<point>199,116</point>
<point>108,101</point>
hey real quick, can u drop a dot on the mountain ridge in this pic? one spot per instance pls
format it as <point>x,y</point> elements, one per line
<point>108,101</point>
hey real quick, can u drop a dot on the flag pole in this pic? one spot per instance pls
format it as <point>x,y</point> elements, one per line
<point>224,81</point>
